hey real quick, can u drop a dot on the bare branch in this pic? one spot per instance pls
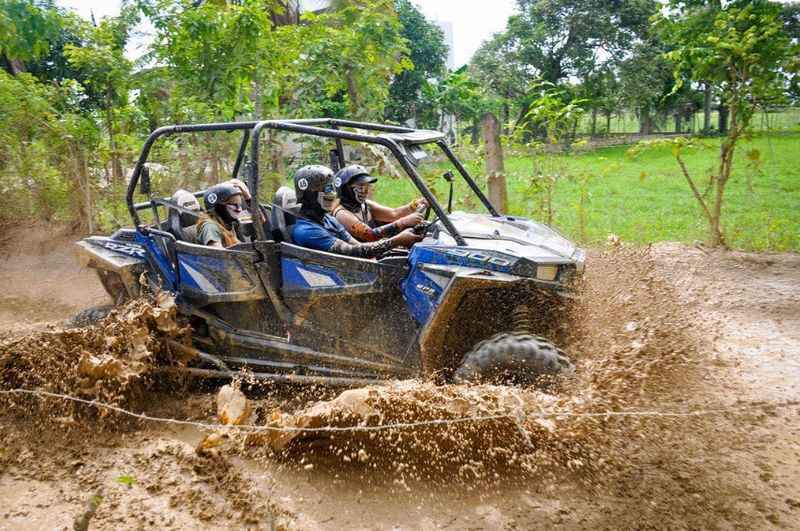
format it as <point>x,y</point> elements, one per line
<point>695,191</point>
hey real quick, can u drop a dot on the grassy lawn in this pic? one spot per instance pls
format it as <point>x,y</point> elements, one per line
<point>785,119</point>
<point>646,199</point>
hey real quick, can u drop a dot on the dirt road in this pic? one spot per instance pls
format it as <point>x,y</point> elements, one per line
<point>685,330</point>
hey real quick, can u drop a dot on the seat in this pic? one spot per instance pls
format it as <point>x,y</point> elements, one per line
<point>182,218</point>
<point>284,214</point>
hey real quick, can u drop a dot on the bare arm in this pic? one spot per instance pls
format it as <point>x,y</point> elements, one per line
<point>363,232</point>
<point>385,214</point>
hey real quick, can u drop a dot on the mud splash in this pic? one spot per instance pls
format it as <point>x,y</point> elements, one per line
<point>634,346</point>
<point>637,344</point>
<point>418,430</point>
<point>110,362</point>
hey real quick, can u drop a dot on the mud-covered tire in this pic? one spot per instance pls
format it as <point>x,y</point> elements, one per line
<point>520,359</point>
<point>89,316</point>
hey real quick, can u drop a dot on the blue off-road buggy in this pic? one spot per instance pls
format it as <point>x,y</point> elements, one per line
<point>474,300</point>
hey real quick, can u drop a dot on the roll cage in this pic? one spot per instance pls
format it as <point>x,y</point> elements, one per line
<point>396,139</point>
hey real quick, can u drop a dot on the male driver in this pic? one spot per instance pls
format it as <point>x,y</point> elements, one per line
<point>317,229</point>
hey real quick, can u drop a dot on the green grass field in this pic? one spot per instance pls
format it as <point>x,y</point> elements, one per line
<point>785,119</point>
<point>647,199</point>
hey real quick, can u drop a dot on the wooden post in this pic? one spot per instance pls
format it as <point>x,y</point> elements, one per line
<point>495,169</point>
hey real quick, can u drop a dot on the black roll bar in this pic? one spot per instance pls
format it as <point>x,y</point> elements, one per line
<point>240,154</point>
<point>467,177</point>
<point>252,131</point>
<point>170,130</point>
<point>303,127</point>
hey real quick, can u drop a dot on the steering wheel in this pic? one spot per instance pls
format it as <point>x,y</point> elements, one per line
<point>422,229</point>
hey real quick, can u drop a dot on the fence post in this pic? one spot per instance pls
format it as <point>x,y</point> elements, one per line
<point>495,169</point>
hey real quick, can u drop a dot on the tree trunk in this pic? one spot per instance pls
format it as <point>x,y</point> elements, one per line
<point>678,122</point>
<point>727,150</point>
<point>285,13</point>
<point>352,92</point>
<point>707,109</point>
<point>116,165</point>
<point>645,122</point>
<point>495,169</point>
<point>608,124</point>
<point>13,66</point>
<point>594,123</point>
<point>475,132</point>
<point>723,119</point>
<point>83,189</point>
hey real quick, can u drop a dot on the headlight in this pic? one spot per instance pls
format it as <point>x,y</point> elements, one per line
<point>547,272</point>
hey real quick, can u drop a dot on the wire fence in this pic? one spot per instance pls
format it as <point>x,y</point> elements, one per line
<point>514,417</point>
<point>626,122</point>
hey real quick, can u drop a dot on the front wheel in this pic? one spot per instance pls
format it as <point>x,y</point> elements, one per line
<point>521,359</point>
<point>89,316</point>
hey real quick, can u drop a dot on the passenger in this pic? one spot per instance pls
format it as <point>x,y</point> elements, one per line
<point>317,229</point>
<point>223,204</point>
<point>244,229</point>
<point>238,183</point>
<point>365,219</point>
<point>183,222</point>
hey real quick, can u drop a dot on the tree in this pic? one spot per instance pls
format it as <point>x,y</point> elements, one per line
<point>101,61</point>
<point>743,49</point>
<point>427,52</point>
<point>352,52</point>
<point>28,27</point>
<point>555,40</point>
<point>602,92</point>
<point>562,38</point>
<point>501,73</point>
<point>456,95</point>
<point>646,79</point>
<point>790,15</point>
<point>215,50</point>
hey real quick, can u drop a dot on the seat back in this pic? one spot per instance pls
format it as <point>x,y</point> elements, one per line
<point>284,214</point>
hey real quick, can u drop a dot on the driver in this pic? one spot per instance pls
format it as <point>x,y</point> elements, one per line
<point>223,204</point>
<point>365,219</point>
<point>317,229</point>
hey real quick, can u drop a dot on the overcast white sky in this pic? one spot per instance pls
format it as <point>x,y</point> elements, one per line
<point>473,20</point>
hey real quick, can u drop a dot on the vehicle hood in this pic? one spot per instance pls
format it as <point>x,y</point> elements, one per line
<point>512,235</point>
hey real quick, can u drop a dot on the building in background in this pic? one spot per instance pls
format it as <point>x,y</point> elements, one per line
<point>447,30</point>
<point>314,6</point>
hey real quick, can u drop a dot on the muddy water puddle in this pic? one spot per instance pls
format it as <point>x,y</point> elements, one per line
<point>643,336</point>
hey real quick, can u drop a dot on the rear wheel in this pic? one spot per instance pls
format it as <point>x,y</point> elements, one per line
<point>514,357</point>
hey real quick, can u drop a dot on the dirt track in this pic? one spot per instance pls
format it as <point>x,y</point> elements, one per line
<point>687,330</point>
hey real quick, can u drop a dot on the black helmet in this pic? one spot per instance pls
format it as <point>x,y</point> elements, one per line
<point>315,189</point>
<point>348,177</point>
<point>214,200</point>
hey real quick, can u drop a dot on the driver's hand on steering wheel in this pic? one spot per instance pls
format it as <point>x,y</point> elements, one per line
<point>411,220</point>
<point>407,238</point>
<point>419,204</point>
